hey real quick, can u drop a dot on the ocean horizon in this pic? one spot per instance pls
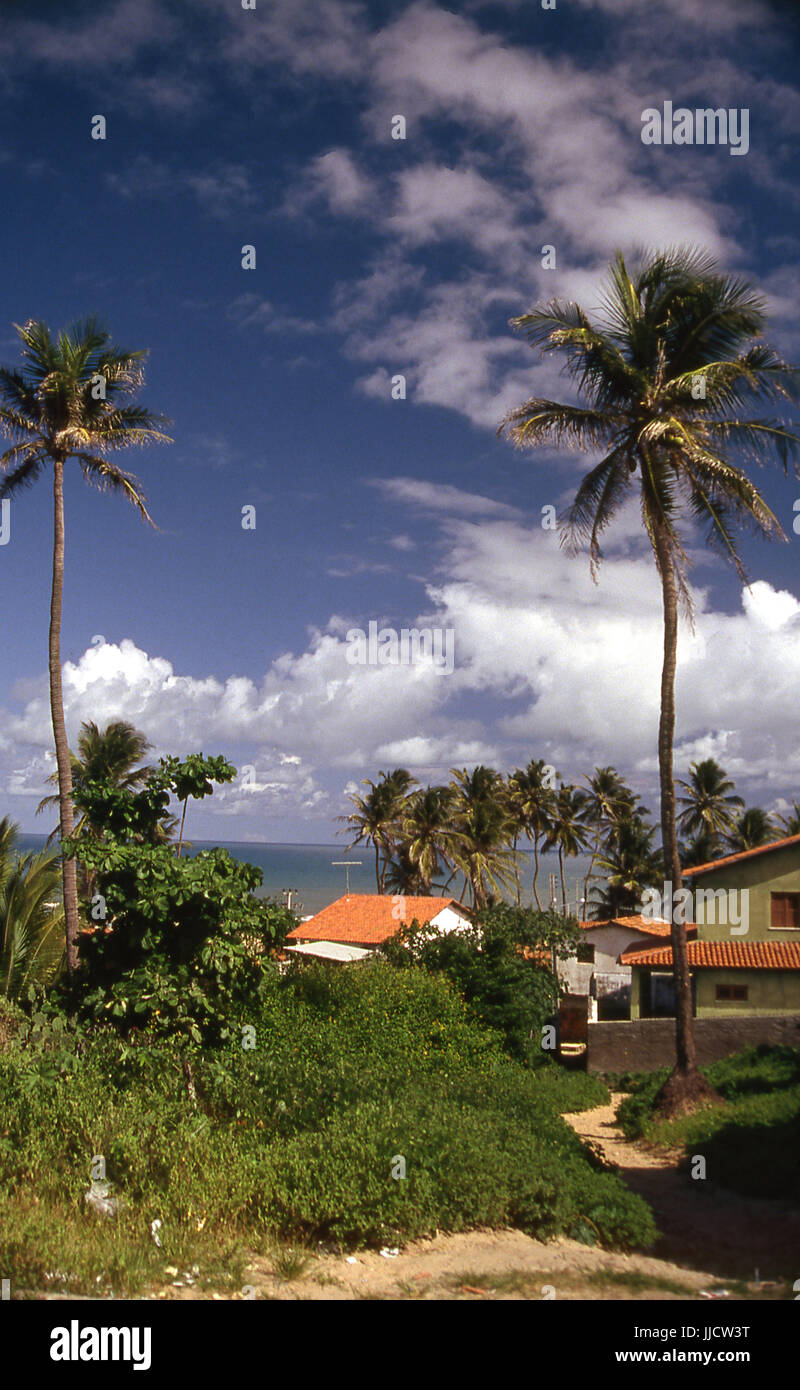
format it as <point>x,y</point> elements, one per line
<point>308,872</point>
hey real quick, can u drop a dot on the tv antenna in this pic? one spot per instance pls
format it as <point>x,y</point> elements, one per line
<point>346,864</point>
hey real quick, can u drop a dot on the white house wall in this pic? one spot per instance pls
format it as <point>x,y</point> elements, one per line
<point>609,943</point>
<point>449,920</point>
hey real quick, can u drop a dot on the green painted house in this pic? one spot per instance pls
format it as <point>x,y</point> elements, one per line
<point>746,955</point>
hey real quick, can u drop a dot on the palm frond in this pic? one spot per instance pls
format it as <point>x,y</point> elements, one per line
<point>542,421</point>
<point>107,477</point>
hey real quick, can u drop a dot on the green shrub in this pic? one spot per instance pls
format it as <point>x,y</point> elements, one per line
<point>497,966</point>
<point>758,1069</point>
<point>465,1167</point>
<point>751,1143</point>
<point>293,1138</point>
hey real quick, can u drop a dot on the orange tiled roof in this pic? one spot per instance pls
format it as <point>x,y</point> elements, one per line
<point>648,926</point>
<point>742,854</point>
<point>729,955</point>
<point>367,918</point>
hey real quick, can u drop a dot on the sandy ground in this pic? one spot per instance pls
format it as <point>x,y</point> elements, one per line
<point>711,1240</point>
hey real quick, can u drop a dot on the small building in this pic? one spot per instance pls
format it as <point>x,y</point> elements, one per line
<point>746,958</point>
<point>355,926</point>
<point>598,973</point>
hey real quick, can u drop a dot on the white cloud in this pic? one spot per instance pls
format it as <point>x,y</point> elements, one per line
<point>548,663</point>
<point>251,311</point>
<point>712,14</point>
<point>114,39</point>
<point>310,37</point>
<point>334,179</point>
<point>220,189</point>
<point>567,169</point>
<point>440,497</point>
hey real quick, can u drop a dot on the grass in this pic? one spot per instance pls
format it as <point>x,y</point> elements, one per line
<point>291,1262</point>
<point>751,1141</point>
<point>50,1245</point>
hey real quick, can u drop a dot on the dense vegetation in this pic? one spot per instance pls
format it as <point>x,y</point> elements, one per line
<point>424,837</point>
<point>292,1129</point>
<point>751,1142</point>
<point>502,966</point>
<point>209,1101</point>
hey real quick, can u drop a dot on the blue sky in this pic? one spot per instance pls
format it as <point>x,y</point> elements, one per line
<point>272,127</point>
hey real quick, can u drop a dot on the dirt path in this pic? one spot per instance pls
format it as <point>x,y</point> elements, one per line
<point>702,1226</point>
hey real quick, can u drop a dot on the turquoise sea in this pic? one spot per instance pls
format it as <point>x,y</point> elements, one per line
<point>308,870</point>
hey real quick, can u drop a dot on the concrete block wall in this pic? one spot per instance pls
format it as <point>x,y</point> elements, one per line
<point>646,1044</point>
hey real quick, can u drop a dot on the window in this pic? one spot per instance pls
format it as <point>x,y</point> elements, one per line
<point>585,953</point>
<point>737,992</point>
<point>784,911</point>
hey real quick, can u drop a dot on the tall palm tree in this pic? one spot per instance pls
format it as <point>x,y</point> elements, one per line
<point>630,864</point>
<point>113,754</point>
<point>482,830</point>
<point>753,828</point>
<point>424,832</point>
<point>375,817</point>
<point>567,832</point>
<point>608,802</point>
<point>701,849</point>
<point>405,877</point>
<point>667,376</point>
<point>68,401</point>
<point>531,798</point>
<point>710,803</point>
<point>31,915</point>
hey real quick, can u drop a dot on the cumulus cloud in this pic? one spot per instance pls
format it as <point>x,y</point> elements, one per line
<point>547,663</point>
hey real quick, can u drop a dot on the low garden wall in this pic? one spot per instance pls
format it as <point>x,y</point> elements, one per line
<point>645,1044</point>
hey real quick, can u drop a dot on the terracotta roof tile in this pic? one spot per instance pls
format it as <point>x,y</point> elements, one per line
<point>742,854</point>
<point>648,926</point>
<point>368,917</point>
<point>729,955</point>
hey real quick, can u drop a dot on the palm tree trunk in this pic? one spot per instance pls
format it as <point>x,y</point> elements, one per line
<point>183,818</point>
<point>536,870</point>
<point>563,884</point>
<point>516,872</point>
<point>590,874</point>
<point>63,761</point>
<point>377,870</point>
<point>686,1084</point>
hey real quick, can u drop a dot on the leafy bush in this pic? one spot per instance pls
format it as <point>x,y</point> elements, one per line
<point>500,965</point>
<point>292,1137</point>
<point>465,1167</point>
<point>755,1071</point>
<point>179,950</point>
<point>170,943</point>
<point>758,1069</point>
<point>758,1152</point>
